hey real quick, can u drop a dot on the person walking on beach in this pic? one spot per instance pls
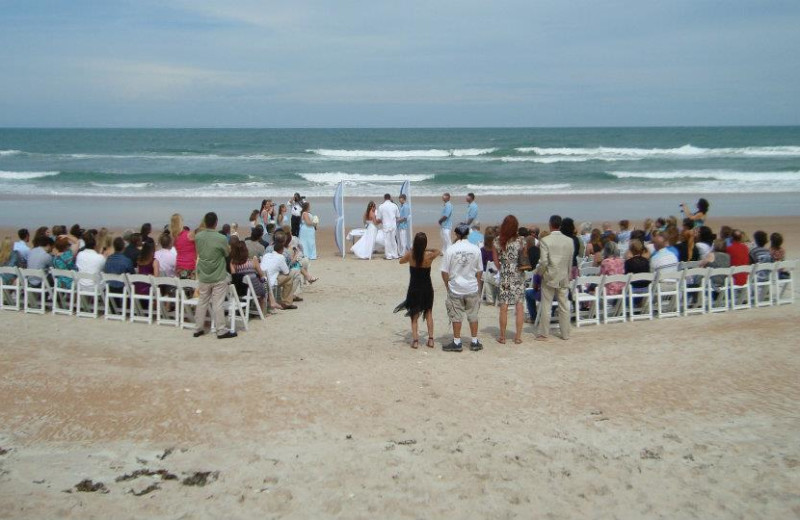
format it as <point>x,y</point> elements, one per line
<point>404,214</point>
<point>387,216</point>
<point>419,297</point>
<point>555,264</point>
<point>212,277</point>
<point>472,211</point>
<point>446,222</point>
<point>461,271</point>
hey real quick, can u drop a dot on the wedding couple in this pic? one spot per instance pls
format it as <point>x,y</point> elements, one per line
<point>391,219</point>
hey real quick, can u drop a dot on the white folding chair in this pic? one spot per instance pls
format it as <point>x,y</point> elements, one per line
<point>253,303</point>
<point>167,301</point>
<point>586,298</point>
<point>668,294</point>
<point>141,304</point>
<point>762,283</point>
<point>640,299</point>
<point>784,281</point>
<point>63,291</point>
<point>614,305</point>
<point>236,308</point>
<point>89,295</point>
<point>117,293</point>
<point>10,288</point>
<point>693,290</point>
<point>590,271</point>
<point>36,296</point>
<point>187,289</point>
<point>740,293</point>
<point>682,266</point>
<point>718,289</point>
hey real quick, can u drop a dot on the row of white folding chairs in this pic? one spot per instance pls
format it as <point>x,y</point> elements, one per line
<point>683,292</point>
<point>168,300</point>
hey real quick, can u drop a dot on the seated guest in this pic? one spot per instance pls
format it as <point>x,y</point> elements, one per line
<point>147,228</point>
<point>66,249</point>
<point>739,254</point>
<point>647,228</point>
<point>718,257</point>
<point>475,236</point>
<point>134,245</point>
<point>726,234</point>
<point>21,247</point>
<point>663,260</point>
<point>705,242</point>
<point>243,265</point>
<point>586,232</point>
<point>58,230</point>
<point>624,234</point>
<point>253,219</point>
<point>146,264</point>
<point>274,265</point>
<point>8,258</point>
<point>166,256</point>
<point>594,248</point>
<point>294,253</point>
<point>637,263</point>
<point>760,254</point>
<point>612,264</point>
<point>253,243</point>
<point>687,250</point>
<point>89,260</point>
<point>77,231</point>
<point>40,256</point>
<point>118,263</point>
<point>776,247</point>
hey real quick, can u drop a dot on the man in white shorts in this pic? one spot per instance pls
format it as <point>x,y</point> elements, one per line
<point>446,222</point>
<point>461,271</point>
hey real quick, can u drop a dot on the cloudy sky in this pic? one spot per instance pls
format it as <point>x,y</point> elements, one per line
<point>252,63</point>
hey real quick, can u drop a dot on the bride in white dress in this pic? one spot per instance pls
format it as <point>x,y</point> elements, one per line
<point>366,244</point>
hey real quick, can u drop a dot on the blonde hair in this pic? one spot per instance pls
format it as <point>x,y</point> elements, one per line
<point>5,250</point>
<point>175,225</point>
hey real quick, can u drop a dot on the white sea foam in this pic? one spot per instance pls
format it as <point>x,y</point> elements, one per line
<point>25,175</point>
<point>551,160</point>
<point>4,153</point>
<point>686,151</point>
<point>719,175</point>
<point>336,177</point>
<point>401,154</point>
<point>123,185</point>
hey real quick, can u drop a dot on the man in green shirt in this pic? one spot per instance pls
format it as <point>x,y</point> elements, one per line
<point>212,248</point>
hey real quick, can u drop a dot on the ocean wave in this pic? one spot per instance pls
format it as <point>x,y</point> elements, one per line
<point>718,175</point>
<point>4,153</point>
<point>123,185</point>
<point>245,185</point>
<point>401,154</point>
<point>551,160</point>
<point>683,151</point>
<point>16,176</point>
<point>336,177</point>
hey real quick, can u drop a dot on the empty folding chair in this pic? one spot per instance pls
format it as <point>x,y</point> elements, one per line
<point>740,292</point>
<point>693,290</point>
<point>668,294</point>
<point>37,290</point>
<point>586,298</point>
<point>63,291</point>
<point>718,289</point>
<point>236,308</point>
<point>167,301</point>
<point>253,304</point>
<point>640,296</point>
<point>188,302</point>
<point>116,296</point>
<point>142,298</point>
<point>612,297</point>
<point>762,283</point>
<point>10,288</point>
<point>89,295</point>
<point>784,281</point>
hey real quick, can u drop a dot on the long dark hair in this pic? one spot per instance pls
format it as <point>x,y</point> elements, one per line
<point>703,206</point>
<point>146,255</point>
<point>418,248</point>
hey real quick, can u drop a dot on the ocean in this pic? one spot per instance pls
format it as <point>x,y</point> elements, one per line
<point>274,163</point>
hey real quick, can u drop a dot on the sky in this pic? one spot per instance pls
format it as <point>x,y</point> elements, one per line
<point>531,63</point>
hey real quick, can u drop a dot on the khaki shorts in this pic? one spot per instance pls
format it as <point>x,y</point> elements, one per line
<point>459,307</point>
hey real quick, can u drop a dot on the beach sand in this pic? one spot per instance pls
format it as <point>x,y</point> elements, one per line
<point>326,412</point>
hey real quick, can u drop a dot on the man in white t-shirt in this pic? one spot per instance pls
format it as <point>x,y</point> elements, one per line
<point>89,261</point>
<point>387,216</point>
<point>277,271</point>
<point>461,271</point>
<point>663,260</point>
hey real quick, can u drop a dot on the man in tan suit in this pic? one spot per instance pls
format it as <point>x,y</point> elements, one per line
<point>555,265</point>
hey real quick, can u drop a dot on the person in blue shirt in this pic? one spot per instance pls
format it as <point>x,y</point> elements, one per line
<point>402,224</point>
<point>446,222</point>
<point>472,210</point>
<point>118,263</point>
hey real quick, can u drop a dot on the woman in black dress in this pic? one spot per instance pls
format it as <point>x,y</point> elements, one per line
<point>419,298</point>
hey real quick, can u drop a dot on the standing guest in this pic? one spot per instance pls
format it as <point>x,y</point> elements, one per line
<point>166,256</point>
<point>185,248</point>
<point>491,277</point>
<point>776,247</point>
<point>254,218</point>
<point>118,263</point>
<point>699,216</point>
<point>145,231</point>
<point>508,247</point>
<point>282,219</point>
<point>740,255</point>
<point>663,259</point>
<point>89,260</point>
<point>212,277</point>
<point>66,249</point>
<point>403,216</point>
<point>263,212</point>
<point>461,272</point>
<point>146,264</point>
<point>274,265</point>
<point>612,264</point>
<point>134,247</point>
<point>472,210</point>
<point>21,246</point>
<point>446,222</point>
<point>554,267</point>
<point>387,216</point>
<point>419,297</point>
<point>297,210</point>
<point>253,243</point>
<point>568,230</point>
<point>40,256</point>
<point>308,232</point>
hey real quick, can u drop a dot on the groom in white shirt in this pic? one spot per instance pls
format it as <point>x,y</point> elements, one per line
<point>387,216</point>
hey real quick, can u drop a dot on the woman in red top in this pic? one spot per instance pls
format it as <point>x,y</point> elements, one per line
<point>740,255</point>
<point>186,261</point>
